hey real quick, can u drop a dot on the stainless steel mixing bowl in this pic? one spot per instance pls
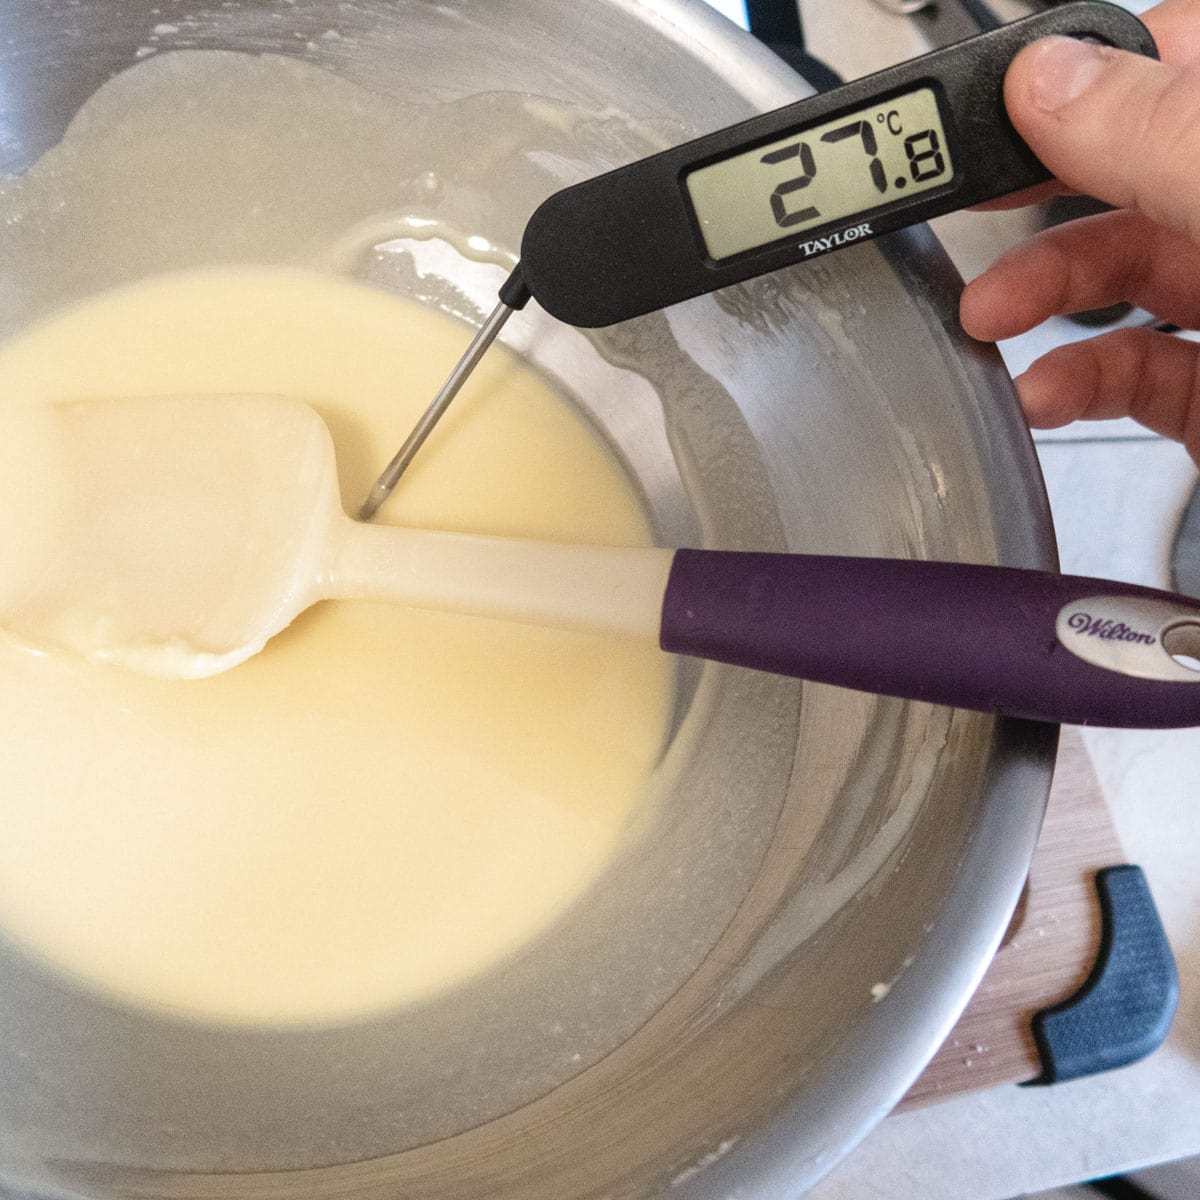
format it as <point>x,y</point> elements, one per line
<point>803,915</point>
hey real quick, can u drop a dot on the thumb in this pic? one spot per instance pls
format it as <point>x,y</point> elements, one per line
<point>1114,125</point>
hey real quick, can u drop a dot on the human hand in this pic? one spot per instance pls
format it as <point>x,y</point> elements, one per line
<point>1125,129</point>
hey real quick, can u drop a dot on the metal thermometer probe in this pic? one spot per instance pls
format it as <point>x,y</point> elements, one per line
<point>915,141</point>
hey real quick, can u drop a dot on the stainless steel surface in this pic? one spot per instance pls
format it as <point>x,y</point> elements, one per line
<point>948,21</point>
<point>903,8</point>
<point>390,476</point>
<point>706,1023</point>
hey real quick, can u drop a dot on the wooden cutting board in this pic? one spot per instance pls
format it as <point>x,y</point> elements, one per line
<point>1049,949</point>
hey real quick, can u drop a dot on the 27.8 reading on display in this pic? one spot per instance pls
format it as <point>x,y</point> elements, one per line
<point>826,174</point>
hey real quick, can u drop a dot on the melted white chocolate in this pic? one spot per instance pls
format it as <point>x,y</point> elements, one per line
<point>383,802</point>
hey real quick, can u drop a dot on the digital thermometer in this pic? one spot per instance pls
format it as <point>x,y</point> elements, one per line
<point>894,149</point>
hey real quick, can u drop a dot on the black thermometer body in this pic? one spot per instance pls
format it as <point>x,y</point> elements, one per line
<point>917,140</point>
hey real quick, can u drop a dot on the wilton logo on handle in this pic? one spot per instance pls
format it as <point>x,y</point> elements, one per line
<point>1109,630</point>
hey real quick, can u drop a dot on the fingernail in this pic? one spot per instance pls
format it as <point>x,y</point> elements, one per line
<point>1065,69</point>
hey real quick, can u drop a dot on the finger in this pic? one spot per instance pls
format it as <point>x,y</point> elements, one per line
<point>1117,126</point>
<point>1176,31</point>
<point>1088,263</point>
<point>1151,377</point>
<point>1037,194</point>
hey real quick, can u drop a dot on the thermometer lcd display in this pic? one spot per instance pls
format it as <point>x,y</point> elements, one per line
<point>824,175</point>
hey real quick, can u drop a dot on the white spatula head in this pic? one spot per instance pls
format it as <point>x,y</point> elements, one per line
<point>181,532</point>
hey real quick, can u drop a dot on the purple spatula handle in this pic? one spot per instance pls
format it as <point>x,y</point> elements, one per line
<point>1031,644</point>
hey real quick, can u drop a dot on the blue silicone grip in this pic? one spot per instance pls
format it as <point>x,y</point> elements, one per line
<point>1124,1010</point>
